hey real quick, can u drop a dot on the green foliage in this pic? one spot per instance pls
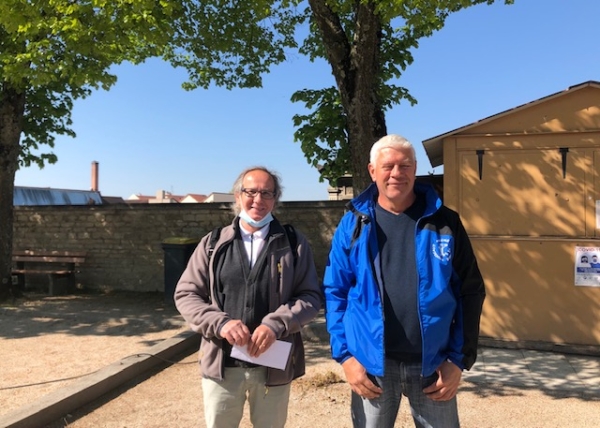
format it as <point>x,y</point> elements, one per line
<point>322,132</point>
<point>403,23</point>
<point>56,51</point>
<point>232,43</point>
<point>46,110</point>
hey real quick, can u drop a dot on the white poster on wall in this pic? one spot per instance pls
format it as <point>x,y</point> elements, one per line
<point>587,266</point>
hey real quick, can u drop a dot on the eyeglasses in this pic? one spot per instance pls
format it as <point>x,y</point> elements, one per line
<point>253,193</point>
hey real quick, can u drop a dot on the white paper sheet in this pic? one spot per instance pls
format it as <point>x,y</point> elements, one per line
<point>276,356</point>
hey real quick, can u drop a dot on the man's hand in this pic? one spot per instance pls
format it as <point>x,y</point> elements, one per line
<point>356,375</point>
<point>261,340</point>
<point>235,332</point>
<point>446,387</point>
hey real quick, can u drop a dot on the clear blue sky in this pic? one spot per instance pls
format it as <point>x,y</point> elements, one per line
<point>149,134</point>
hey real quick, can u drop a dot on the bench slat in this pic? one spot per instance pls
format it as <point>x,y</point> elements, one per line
<point>43,271</point>
<point>50,252</point>
<point>48,259</point>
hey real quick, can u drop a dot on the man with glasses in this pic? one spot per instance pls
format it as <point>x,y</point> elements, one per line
<point>249,290</point>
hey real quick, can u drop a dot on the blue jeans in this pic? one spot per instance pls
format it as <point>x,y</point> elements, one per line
<point>403,379</point>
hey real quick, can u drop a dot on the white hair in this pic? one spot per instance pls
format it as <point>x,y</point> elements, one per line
<point>391,141</point>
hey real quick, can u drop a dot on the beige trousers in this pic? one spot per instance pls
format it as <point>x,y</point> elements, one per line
<point>224,401</point>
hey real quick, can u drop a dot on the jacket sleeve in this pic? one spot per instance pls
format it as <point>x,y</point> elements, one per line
<point>471,294</point>
<point>193,295</point>
<point>305,298</point>
<point>339,278</point>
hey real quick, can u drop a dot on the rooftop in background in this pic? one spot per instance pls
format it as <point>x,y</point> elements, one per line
<point>164,197</point>
<point>434,146</point>
<point>48,196</point>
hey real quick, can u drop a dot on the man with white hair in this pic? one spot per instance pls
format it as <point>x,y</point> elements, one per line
<point>403,296</point>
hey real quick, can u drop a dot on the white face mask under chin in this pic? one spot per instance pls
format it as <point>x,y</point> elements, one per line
<point>256,223</point>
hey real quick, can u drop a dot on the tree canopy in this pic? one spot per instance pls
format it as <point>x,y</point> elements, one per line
<point>367,43</point>
<point>51,53</point>
<point>55,51</point>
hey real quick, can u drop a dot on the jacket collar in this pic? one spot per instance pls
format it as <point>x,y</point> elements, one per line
<point>365,201</point>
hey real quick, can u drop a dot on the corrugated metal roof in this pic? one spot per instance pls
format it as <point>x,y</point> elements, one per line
<point>48,196</point>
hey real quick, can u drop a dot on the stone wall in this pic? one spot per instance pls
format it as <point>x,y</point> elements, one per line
<point>124,242</point>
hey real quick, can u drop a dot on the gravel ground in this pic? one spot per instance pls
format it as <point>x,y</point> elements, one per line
<point>47,341</point>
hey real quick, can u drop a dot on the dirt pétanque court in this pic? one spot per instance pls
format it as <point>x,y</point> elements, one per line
<point>47,343</point>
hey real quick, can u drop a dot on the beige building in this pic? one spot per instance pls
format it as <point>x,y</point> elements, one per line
<point>343,190</point>
<point>164,197</point>
<point>527,185</point>
<point>220,197</point>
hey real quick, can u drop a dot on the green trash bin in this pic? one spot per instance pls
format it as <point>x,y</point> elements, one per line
<point>177,252</point>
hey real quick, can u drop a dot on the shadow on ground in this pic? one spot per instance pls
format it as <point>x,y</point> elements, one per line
<point>87,314</point>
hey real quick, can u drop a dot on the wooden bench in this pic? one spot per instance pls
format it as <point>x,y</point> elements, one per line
<point>55,264</point>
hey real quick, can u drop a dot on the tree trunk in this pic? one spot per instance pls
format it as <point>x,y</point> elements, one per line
<point>366,125</point>
<point>355,66</point>
<point>12,108</point>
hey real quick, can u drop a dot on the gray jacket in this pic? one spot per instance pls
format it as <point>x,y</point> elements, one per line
<point>295,299</point>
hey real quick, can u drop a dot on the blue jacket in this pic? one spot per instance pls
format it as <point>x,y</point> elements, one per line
<point>450,295</point>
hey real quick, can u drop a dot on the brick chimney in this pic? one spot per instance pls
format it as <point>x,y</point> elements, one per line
<point>94,176</point>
